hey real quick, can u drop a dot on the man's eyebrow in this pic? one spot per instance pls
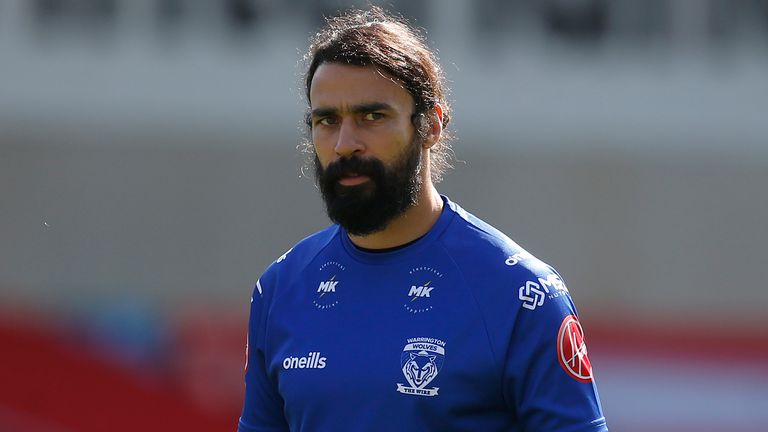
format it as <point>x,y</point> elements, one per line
<point>371,107</point>
<point>324,112</point>
<point>357,109</point>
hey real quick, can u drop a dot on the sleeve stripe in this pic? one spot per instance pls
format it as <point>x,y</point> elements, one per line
<point>258,287</point>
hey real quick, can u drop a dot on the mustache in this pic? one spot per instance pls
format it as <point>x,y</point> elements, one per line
<point>347,166</point>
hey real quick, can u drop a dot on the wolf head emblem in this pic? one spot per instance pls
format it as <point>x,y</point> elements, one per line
<point>420,369</point>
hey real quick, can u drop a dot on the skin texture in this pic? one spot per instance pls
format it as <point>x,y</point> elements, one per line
<point>362,111</point>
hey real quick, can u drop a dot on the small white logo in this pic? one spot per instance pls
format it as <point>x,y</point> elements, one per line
<point>422,289</point>
<point>327,286</point>
<point>313,360</point>
<point>516,258</point>
<point>533,294</point>
<point>283,256</point>
<point>421,361</point>
<point>327,296</point>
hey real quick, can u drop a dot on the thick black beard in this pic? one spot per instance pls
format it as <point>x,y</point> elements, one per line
<point>369,207</point>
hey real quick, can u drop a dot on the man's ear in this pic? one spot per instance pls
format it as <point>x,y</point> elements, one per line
<point>435,119</point>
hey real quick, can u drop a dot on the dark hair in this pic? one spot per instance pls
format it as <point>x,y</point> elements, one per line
<point>375,38</point>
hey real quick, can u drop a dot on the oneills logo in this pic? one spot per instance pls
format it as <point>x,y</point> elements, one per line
<point>313,360</point>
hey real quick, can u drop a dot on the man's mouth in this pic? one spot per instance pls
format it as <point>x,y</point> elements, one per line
<point>353,179</point>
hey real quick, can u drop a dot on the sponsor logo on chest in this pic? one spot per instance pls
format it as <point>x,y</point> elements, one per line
<point>326,291</point>
<point>327,286</point>
<point>421,361</point>
<point>424,286</point>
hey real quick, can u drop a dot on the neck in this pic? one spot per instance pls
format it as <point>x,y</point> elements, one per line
<point>414,223</point>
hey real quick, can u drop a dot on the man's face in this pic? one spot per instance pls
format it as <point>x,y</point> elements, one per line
<point>368,155</point>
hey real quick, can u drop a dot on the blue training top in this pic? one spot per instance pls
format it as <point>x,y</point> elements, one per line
<point>461,330</point>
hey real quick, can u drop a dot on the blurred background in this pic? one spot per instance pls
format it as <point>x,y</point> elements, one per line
<point>149,173</point>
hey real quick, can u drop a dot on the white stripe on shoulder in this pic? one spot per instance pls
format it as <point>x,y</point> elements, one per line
<point>258,287</point>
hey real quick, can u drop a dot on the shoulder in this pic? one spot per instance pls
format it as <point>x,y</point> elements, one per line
<point>498,269</point>
<point>296,259</point>
<point>475,244</point>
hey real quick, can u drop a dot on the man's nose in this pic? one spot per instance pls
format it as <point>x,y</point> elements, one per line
<point>348,140</point>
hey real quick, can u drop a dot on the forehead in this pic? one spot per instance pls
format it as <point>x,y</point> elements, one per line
<point>340,86</point>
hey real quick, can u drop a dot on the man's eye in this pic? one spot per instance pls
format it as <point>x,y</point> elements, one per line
<point>373,116</point>
<point>326,121</point>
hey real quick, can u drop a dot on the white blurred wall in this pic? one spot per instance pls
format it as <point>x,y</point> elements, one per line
<point>153,156</point>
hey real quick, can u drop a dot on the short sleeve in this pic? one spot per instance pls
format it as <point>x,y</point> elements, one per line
<point>263,407</point>
<point>547,375</point>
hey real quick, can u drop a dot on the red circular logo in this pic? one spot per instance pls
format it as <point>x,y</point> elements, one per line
<point>572,351</point>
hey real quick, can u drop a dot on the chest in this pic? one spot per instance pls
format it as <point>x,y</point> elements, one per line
<point>405,340</point>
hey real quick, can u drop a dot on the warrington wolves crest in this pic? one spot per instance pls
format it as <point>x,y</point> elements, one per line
<point>421,361</point>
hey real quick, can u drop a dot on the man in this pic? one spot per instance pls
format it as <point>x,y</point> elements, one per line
<point>408,313</point>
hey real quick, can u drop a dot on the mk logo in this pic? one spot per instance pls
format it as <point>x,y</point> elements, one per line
<point>420,291</point>
<point>329,274</point>
<point>327,286</point>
